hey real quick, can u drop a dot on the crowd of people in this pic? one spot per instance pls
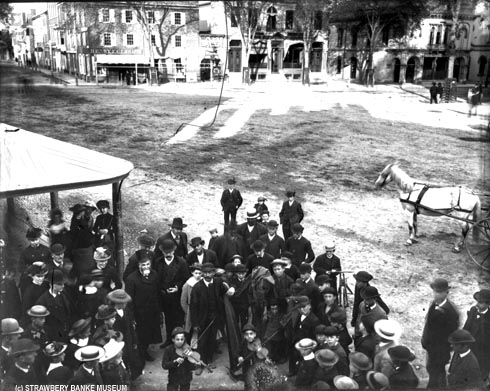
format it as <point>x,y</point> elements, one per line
<point>69,318</point>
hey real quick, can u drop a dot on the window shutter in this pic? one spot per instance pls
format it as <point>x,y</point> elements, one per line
<point>172,18</point>
<point>157,15</point>
<point>182,18</point>
<point>111,16</point>
<point>100,15</point>
<point>113,39</point>
<point>102,39</point>
<point>182,41</point>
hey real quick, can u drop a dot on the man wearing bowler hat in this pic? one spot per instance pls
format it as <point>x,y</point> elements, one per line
<point>274,244</point>
<point>35,251</point>
<point>11,332</point>
<point>291,213</point>
<point>251,230</point>
<point>34,288</point>
<point>231,200</point>
<point>299,246</point>
<point>441,320</point>
<point>359,365</point>
<point>200,255</point>
<point>88,372</point>
<point>259,257</point>
<point>62,311</point>
<point>403,376</point>
<point>369,311</point>
<point>146,243</point>
<point>35,329</point>
<point>21,373</point>
<point>58,258</point>
<point>177,236</point>
<point>172,272</point>
<point>478,324</point>
<point>464,372</point>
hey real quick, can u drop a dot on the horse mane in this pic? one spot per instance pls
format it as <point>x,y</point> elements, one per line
<point>402,179</point>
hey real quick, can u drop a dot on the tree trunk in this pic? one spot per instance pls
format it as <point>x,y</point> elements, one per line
<point>305,77</point>
<point>245,68</point>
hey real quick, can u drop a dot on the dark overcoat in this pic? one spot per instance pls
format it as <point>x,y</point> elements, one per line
<point>62,315</point>
<point>479,327</point>
<point>274,247</point>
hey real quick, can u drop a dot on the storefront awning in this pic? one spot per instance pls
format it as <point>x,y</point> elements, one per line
<point>122,59</point>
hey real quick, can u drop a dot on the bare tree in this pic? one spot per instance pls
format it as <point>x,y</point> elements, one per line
<point>248,17</point>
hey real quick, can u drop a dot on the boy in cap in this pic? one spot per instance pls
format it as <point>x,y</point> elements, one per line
<point>338,319</point>
<point>282,283</point>
<point>464,371</point>
<point>403,376</point>
<point>441,320</point>
<point>291,269</point>
<point>260,207</point>
<point>146,243</point>
<point>264,217</point>
<point>56,372</point>
<point>329,336</point>
<point>291,213</point>
<point>274,244</point>
<point>299,246</point>
<point>214,234</point>
<point>185,298</point>
<point>231,200</point>
<point>478,324</point>
<point>11,332</point>
<point>310,289</point>
<point>88,372</point>
<point>327,366</point>
<point>21,373</point>
<point>307,364</point>
<point>327,263</point>
<point>176,362</point>
<point>259,257</point>
<point>200,255</point>
<point>328,306</point>
<point>104,226</point>
<point>251,352</point>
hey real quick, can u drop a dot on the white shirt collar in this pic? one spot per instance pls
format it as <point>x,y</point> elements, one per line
<point>373,306</point>
<point>120,312</point>
<point>465,353</point>
<point>207,283</point>
<point>482,312</point>
<point>440,305</point>
<point>53,365</point>
<point>22,369</point>
<point>200,257</point>
<point>310,356</point>
<point>169,262</point>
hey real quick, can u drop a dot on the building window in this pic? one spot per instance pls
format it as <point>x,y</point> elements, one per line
<point>318,22</point>
<point>178,65</point>
<point>289,19</point>
<point>340,37</point>
<point>62,39</point>
<point>178,41</point>
<point>151,16</point>
<point>153,40</point>
<point>253,18</point>
<point>438,35</point>
<point>130,40</point>
<point>431,36</point>
<point>354,37</point>
<point>482,63</point>
<point>271,19</point>
<point>107,39</point>
<point>177,19</point>
<point>129,16</point>
<point>105,15</point>
<point>234,22</point>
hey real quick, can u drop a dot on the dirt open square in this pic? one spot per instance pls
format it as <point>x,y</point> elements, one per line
<point>328,142</point>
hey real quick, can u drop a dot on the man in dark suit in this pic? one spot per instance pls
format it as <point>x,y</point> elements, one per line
<point>200,255</point>
<point>11,332</point>
<point>178,237</point>
<point>274,244</point>
<point>291,213</point>
<point>205,309</point>
<point>299,246</point>
<point>403,377</point>
<point>62,311</point>
<point>464,371</point>
<point>478,324</point>
<point>328,306</point>
<point>231,200</point>
<point>302,327</point>
<point>251,231</point>
<point>259,257</point>
<point>172,272</point>
<point>308,286</point>
<point>442,319</point>
<point>227,245</point>
<point>22,372</point>
<point>88,372</point>
<point>326,262</point>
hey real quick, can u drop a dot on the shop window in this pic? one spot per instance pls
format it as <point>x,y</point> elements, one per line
<point>482,63</point>
<point>340,37</point>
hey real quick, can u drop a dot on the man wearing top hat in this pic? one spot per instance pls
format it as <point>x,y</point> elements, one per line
<point>200,255</point>
<point>274,244</point>
<point>231,200</point>
<point>144,288</point>
<point>177,236</point>
<point>299,246</point>
<point>11,332</point>
<point>478,324</point>
<point>35,251</point>
<point>21,372</point>
<point>251,230</point>
<point>464,372</point>
<point>33,288</point>
<point>259,257</point>
<point>146,243</point>
<point>88,372</point>
<point>441,320</point>
<point>56,372</point>
<point>172,272</point>
<point>328,261</point>
<point>290,214</point>
<point>61,309</point>
<point>402,376</point>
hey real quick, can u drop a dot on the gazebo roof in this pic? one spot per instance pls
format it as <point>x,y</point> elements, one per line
<point>31,164</point>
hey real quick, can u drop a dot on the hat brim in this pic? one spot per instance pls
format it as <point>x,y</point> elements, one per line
<point>395,335</point>
<point>482,297</point>
<point>37,315</point>
<point>178,226</point>
<point>375,386</point>
<point>109,354</point>
<point>20,330</point>
<point>63,349</point>
<point>81,327</point>
<point>34,348</point>
<point>119,300</point>
<point>298,347</point>
<point>329,364</point>
<point>100,354</point>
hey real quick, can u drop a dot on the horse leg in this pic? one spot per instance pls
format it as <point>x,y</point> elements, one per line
<point>411,237</point>
<point>464,231</point>
<point>415,224</point>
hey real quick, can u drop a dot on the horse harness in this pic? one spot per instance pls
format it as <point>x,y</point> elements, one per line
<point>417,202</point>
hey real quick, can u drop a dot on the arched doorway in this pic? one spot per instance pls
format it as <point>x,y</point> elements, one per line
<point>410,71</point>
<point>353,67</point>
<point>235,56</point>
<point>396,70</point>
<point>458,68</point>
<point>205,69</point>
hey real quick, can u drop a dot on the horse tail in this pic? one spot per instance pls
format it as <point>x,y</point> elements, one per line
<point>476,218</point>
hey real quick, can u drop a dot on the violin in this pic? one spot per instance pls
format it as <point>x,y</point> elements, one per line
<point>192,356</point>
<point>256,347</point>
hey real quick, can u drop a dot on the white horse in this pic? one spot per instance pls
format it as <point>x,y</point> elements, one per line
<point>416,198</point>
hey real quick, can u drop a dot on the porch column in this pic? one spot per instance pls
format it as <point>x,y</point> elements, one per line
<point>117,216</point>
<point>53,196</point>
